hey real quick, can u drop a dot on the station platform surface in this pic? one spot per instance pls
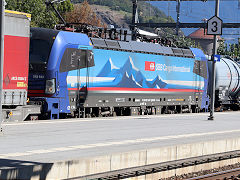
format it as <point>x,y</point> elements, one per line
<point>69,139</point>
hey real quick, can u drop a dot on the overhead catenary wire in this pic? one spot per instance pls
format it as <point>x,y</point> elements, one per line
<point>186,13</point>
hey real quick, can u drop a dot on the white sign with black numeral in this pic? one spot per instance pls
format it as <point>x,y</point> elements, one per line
<point>214,26</point>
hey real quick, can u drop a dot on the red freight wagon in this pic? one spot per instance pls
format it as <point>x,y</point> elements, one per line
<point>15,67</point>
<point>16,57</point>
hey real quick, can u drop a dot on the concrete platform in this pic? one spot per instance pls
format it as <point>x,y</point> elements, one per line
<point>60,149</point>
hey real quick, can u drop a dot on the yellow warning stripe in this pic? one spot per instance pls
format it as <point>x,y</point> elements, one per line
<point>16,12</point>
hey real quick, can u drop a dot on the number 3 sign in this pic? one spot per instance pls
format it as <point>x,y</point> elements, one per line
<point>214,26</point>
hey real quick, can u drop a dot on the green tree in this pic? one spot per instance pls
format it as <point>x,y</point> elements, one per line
<point>41,15</point>
<point>221,49</point>
<point>231,50</point>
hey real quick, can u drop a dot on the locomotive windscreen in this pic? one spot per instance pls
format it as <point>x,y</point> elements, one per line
<point>39,51</point>
<point>41,42</point>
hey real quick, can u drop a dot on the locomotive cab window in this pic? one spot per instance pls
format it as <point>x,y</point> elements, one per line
<point>39,51</point>
<point>38,55</point>
<point>76,59</point>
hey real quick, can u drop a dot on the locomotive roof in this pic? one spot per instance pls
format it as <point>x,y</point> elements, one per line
<point>51,34</point>
<point>131,46</point>
<point>45,34</point>
<point>142,47</point>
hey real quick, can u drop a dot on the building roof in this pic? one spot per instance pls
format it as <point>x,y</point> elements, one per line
<point>201,34</point>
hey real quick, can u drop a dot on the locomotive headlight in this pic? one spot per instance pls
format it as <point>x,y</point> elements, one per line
<point>50,86</point>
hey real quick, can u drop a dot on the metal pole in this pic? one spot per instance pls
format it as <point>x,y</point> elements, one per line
<point>2,13</point>
<point>59,15</point>
<point>178,17</point>
<point>212,89</point>
<point>134,14</point>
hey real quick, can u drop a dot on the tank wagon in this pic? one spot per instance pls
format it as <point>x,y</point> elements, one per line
<point>72,74</point>
<point>15,69</point>
<point>227,84</point>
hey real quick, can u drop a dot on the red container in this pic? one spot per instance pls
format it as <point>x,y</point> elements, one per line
<point>16,57</point>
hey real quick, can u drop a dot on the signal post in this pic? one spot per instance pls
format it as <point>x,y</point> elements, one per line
<point>214,27</point>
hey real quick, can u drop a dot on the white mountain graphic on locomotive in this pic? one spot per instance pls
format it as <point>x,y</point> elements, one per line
<point>128,76</point>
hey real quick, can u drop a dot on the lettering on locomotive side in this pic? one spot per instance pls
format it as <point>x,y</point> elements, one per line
<point>152,66</point>
<point>36,76</point>
<point>164,67</point>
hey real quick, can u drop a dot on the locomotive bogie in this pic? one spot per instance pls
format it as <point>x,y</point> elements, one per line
<point>135,104</point>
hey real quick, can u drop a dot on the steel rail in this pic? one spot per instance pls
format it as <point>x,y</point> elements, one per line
<point>220,175</point>
<point>159,167</point>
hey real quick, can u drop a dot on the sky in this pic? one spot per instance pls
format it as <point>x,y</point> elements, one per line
<point>196,11</point>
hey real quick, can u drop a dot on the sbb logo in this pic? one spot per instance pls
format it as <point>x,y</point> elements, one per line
<point>149,66</point>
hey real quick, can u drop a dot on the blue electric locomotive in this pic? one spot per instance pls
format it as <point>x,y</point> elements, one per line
<point>72,74</point>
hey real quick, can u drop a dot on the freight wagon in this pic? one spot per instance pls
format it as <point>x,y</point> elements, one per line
<point>15,68</point>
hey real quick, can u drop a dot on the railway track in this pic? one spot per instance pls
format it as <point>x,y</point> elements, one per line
<point>165,166</point>
<point>233,174</point>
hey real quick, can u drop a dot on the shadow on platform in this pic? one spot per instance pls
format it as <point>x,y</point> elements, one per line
<point>17,169</point>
